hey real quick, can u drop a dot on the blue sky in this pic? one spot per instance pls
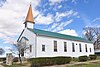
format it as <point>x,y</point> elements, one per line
<point>62,16</point>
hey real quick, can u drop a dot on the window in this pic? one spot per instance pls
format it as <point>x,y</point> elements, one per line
<point>73,47</point>
<point>90,49</point>
<point>24,40</point>
<point>80,48</point>
<point>22,52</point>
<point>65,47</point>
<point>55,46</point>
<point>43,47</point>
<point>86,47</point>
<point>30,48</point>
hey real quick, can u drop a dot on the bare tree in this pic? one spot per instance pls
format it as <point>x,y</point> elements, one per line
<point>93,34</point>
<point>2,51</point>
<point>19,49</point>
<point>97,39</point>
<point>89,33</point>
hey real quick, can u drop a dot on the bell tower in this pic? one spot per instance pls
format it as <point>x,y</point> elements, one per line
<point>29,21</point>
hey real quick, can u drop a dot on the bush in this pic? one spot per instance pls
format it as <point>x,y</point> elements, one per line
<point>49,61</point>
<point>92,57</point>
<point>62,60</point>
<point>15,59</point>
<point>2,59</point>
<point>41,61</point>
<point>83,58</point>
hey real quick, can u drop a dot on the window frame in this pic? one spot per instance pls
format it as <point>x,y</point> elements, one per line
<point>86,50</point>
<point>80,47</point>
<point>90,50</point>
<point>30,48</point>
<point>55,46</point>
<point>73,47</point>
<point>65,46</point>
<point>43,48</point>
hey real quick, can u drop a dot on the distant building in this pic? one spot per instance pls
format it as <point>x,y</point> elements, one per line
<point>50,44</point>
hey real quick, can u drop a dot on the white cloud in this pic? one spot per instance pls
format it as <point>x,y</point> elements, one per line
<point>7,48</point>
<point>13,13</point>
<point>74,1</point>
<point>66,14</point>
<point>2,35</point>
<point>59,16</point>
<point>52,2</point>
<point>56,7</point>
<point>69,32</point>
<point>53,27</point>
<point>60,6</point>
<point>95,22</point>
<point>88,23</point>
<point>70,13</point>
<point>62,25</point>
<point>41,19</point>
<point>9,40</point>
<point>75,13</point>
<point>96,19</point>
<point>12,16</point>
<point>78,16</point>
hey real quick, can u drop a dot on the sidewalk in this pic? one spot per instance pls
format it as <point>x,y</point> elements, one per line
<point>1,66</point>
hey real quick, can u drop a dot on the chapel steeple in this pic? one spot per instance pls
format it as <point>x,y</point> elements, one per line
<point>29,21</point>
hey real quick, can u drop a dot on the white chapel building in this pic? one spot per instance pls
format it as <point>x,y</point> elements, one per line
<point>50,44</point>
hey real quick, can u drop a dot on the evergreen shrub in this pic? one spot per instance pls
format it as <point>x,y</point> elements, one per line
<point>83,58</point>
<point>92,57</point>
<point>46,61</point>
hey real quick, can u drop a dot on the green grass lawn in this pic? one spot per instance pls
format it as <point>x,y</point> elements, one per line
<point>98,58</point>
<point>92,64</point>
<point>78,65</point>
<point>87,65</point>
<point>95,64</point>
<point>15,65</point>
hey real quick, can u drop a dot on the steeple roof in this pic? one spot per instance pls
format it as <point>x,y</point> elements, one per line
<point>29,17</point>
